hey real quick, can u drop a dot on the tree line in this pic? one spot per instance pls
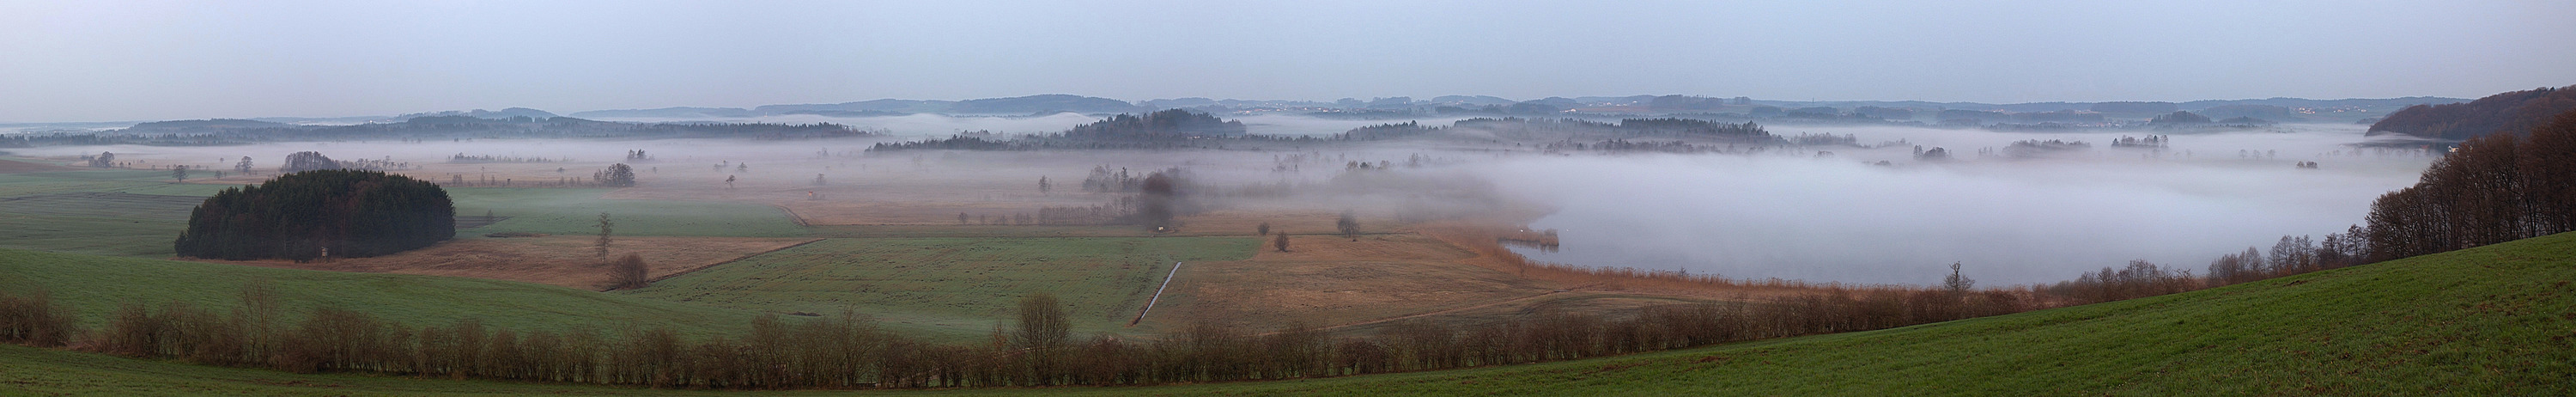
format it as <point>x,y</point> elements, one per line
<point>848,351</point>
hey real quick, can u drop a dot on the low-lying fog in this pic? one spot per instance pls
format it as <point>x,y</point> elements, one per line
<point>1788,213</point>
<point>932,125</point>
<point>2008,221</point>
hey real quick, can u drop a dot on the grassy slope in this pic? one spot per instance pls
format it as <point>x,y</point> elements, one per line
<point>94,286</point>
<point>957,285</point>
<point>2496,320</point>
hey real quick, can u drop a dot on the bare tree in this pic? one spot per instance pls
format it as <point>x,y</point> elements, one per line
<point>1264,228</point>
<point>1350,225</point>
<point>1043,329</point>
<point>1280,242</point>
<point>179,172</point>
<point>1957,284</point>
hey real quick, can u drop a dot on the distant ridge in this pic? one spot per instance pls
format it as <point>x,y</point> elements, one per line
<point>2278,108</point>
<point>2511,113</point>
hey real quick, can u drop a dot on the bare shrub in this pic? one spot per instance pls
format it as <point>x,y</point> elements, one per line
<point>629,272</point>
<point>32,319</point>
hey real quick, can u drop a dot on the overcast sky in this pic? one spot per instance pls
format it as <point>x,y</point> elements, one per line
<point>100,60</point>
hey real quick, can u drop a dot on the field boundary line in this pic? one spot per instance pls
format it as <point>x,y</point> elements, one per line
<point>735,259</point>
<point>791,215</point>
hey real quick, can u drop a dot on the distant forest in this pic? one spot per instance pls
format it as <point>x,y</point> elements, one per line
<point>237,132</point>
<point>1166,129</point>
<point>1179,128</point>
<point>2513,113</point>
<point>1521,128</point>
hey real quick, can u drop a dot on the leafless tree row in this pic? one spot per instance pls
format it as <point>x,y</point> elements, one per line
<point>2496,188</point>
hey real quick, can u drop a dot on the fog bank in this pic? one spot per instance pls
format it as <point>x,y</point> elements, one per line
<point>2009,221</point>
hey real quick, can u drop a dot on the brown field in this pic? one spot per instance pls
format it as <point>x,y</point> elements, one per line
<point>1480,238</point>
<point>1602,303</point>
<point>1266,295</point>
<point>558,260</point>
<point>13,167</point>
<point>1346,286</point>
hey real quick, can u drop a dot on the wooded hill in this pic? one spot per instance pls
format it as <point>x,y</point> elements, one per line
<point>313,214</point>
<point>2511,113</point>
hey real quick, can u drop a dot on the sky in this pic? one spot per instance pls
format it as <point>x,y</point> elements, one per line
<point>158,60</point>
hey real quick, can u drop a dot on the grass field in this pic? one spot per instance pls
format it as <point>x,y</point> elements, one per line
<point>956,285</point>
<point>141,227</point>
<point>137,213</point>
<point>2495,320</point>
<point>122,181</point>
<point>102,212</point>
<point>94,286</point>
<point>576,211</point>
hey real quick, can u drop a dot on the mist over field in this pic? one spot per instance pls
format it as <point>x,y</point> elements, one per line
<point>2009,221</point>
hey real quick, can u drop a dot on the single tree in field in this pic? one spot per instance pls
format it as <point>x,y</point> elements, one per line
<point>1954,300</point>
<point>617,175</point>
<point>1042,331</point>
<point>1043,187</point>
<point>1264,228</point>
<point>1350,225</point>
<point>1157,201</point>
<point>1280,242</point>
<point>728,182</point>
<point>629,272</point>
<point>1957,284</point>
<point>604,224</point>
<point>179,172</point>
<point>243,167</point>
<point>818,179</point>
